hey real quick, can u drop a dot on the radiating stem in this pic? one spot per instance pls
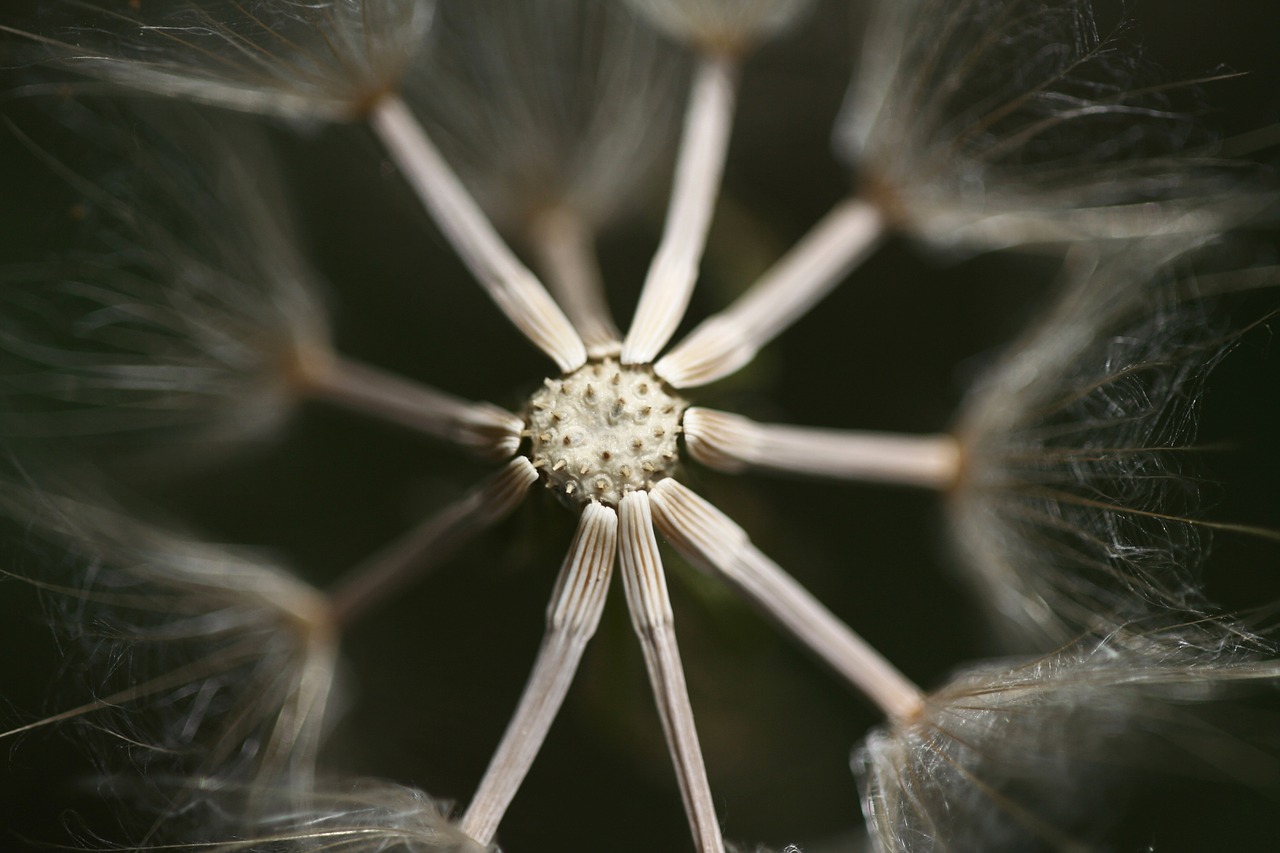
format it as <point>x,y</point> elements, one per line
<point>487,429</point>
<point>565,250</point>
<point>651,616</point>
<point>704,144</point>
<point>729,340</point>
<point>708,538</point>
<point>731,443</point>
<point>572,618</point>
<point>508,282</point>
<point>403,561</point>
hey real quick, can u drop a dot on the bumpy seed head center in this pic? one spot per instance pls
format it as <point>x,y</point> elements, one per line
<point>603,431</point>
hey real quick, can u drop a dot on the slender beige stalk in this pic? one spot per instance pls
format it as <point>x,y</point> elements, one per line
<point>708,538</point>
<point>572,617</point>
<point>430,543</point>
<point>508,282</point>
<point>704,144</point>
<point>729,340</point>
<point>565,250</point>
<point>484,428</point>
<point>733,443</point>
<point>651,616</point>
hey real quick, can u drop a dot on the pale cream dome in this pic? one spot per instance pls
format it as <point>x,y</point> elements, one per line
<point>604,430</point>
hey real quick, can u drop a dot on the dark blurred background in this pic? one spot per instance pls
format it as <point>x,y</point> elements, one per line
<point>428,684</point>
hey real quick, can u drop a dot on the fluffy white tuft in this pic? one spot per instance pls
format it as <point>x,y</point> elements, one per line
<point>728,26</point>
<point>194,657</point>
<point>1029,756</point>
<point>549,105</point>
<point>354,816</point>
<point>301,59</point>
<point>1077,508</point>
<point>192,312</point>
<point>980,124</point>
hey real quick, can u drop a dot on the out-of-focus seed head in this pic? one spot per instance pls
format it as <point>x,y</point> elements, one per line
<point>980,124</point>
<point>1076,507</point>
<point>549,105</point>
<point>1026,756</point>
<point>355,816</point>
<point>722,26</point>
<point>314,60</point>
<point>190,312</point>
<point>200,657</point>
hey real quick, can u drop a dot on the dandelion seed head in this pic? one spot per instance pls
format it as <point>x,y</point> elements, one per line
<point>201,657</point>
<point>976,123</point>
<point>190,311</point>
<point>729,26</point>
<point>603,431</point>
<point>986,124</point>
<point>1027,755</point>
<point>353,815</point>
<point>297,59</point>
<point>1077,502</point>
<point>549,105</point>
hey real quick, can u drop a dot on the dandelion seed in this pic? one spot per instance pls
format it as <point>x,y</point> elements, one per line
<point>211,333</point>
<point>173,323</point>
<point>238,655</point>
<point>1076,505</point>
<point>554,114</point>
<point>1019,756</point>
<point>364,816</point>
<point>325,60</point>
<point>550,110</point>
<point>728,26</point>
<point>978,124</point>
<point>341,61</point>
